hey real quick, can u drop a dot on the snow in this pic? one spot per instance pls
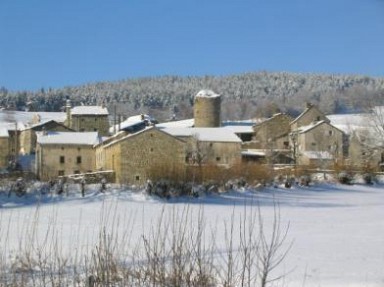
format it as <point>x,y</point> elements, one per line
<point>4,132</point>
<point>188,123</point>
<point>27,117</point>
<point>350,122</point>
<point>336,231</point>
<point>207,94</point>
<point>205,134</point>
<point>73,138</point>
<point>317,154</point>
<point>89,110</point>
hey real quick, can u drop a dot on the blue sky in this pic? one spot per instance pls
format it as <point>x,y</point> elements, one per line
<point>46,43</point>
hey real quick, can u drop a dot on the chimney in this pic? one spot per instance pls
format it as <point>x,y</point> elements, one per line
<point>68,111</point>
<point>309,105</point>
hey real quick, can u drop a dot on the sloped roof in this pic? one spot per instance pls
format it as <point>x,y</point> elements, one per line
<point>132,122</point>
<point>205,134</point>
<point>121,137</point>
<point>350,122</point>
<point>69,138</point>
<point>189,123</point>
<point>311,107</point>
<point>239,127</point>
<point>27,117</point>
<point>40,124</point>
<point>89,110</point>
<point>304,129</point>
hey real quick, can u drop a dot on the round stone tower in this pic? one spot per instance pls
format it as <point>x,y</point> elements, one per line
<point>206,110</point>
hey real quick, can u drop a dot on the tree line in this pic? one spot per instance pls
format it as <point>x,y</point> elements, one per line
<point>244,96</point>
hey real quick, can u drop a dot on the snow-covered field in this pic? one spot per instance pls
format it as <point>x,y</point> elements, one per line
<point>336,231</point>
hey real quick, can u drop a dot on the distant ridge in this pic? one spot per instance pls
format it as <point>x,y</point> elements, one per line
<point>244,95</point>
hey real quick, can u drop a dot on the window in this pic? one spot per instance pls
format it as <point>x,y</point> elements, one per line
<point>76,172</point>
<point>218,158</point>
<point>286,144</point>
<point>62,148</point>
<point>137,177</point>
<point>60,173</point>
<point>78,160</point>
<point>313,144</point>
<point>151,149</point>
<point>62,159</point>
<point>330,133</point>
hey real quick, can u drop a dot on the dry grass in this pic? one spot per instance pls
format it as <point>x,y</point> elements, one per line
<point>178,250</point>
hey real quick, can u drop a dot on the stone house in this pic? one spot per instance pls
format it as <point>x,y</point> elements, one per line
<point>4,148</point>
<point>318,144</point>
<point>28,135</point>
<point>218,146</point>
<point>88,119</point>
<point>274,130</point>
<point>139,156</point>
<point>310,115</point>
<point>65,153</point>
<point>366,149</point>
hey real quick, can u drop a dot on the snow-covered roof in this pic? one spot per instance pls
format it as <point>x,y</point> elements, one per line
<point>132,121</point>
<point>239,127</point>
<point>205,134</point>
<point>189,123</point>
<point>4,133</point>
<point>89,110</point>
<point>317,154</point>
<point>207,94</point>
<point>25,119</point>
<point>350,122</point>
<point>304,129</point>
<point>68,138</point>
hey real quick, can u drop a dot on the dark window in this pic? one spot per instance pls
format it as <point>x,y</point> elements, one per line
<point>151,149</point>
<point>61,172</point>
<point>330,133</point>
<point>62,159</point>
<point>313,144</point>
<point>137,177</point>
<point>76,172</point>
<point>218,158</point>
<point>62,148</point>
<point>78,159</point>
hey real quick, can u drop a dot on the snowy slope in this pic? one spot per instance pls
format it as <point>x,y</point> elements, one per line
<point>337,231</point>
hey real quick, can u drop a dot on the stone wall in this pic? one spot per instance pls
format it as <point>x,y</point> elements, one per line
<point>4,152</point>
<point>145,155</point>
<point>77,159</point>
<point>90,123</point>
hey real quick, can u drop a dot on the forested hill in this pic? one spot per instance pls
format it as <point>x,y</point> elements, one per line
<point>244,96</point>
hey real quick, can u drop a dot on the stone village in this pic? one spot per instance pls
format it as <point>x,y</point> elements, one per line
<point>82,141</point>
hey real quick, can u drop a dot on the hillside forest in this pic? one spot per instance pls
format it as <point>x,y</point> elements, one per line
<point>244,96</point>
